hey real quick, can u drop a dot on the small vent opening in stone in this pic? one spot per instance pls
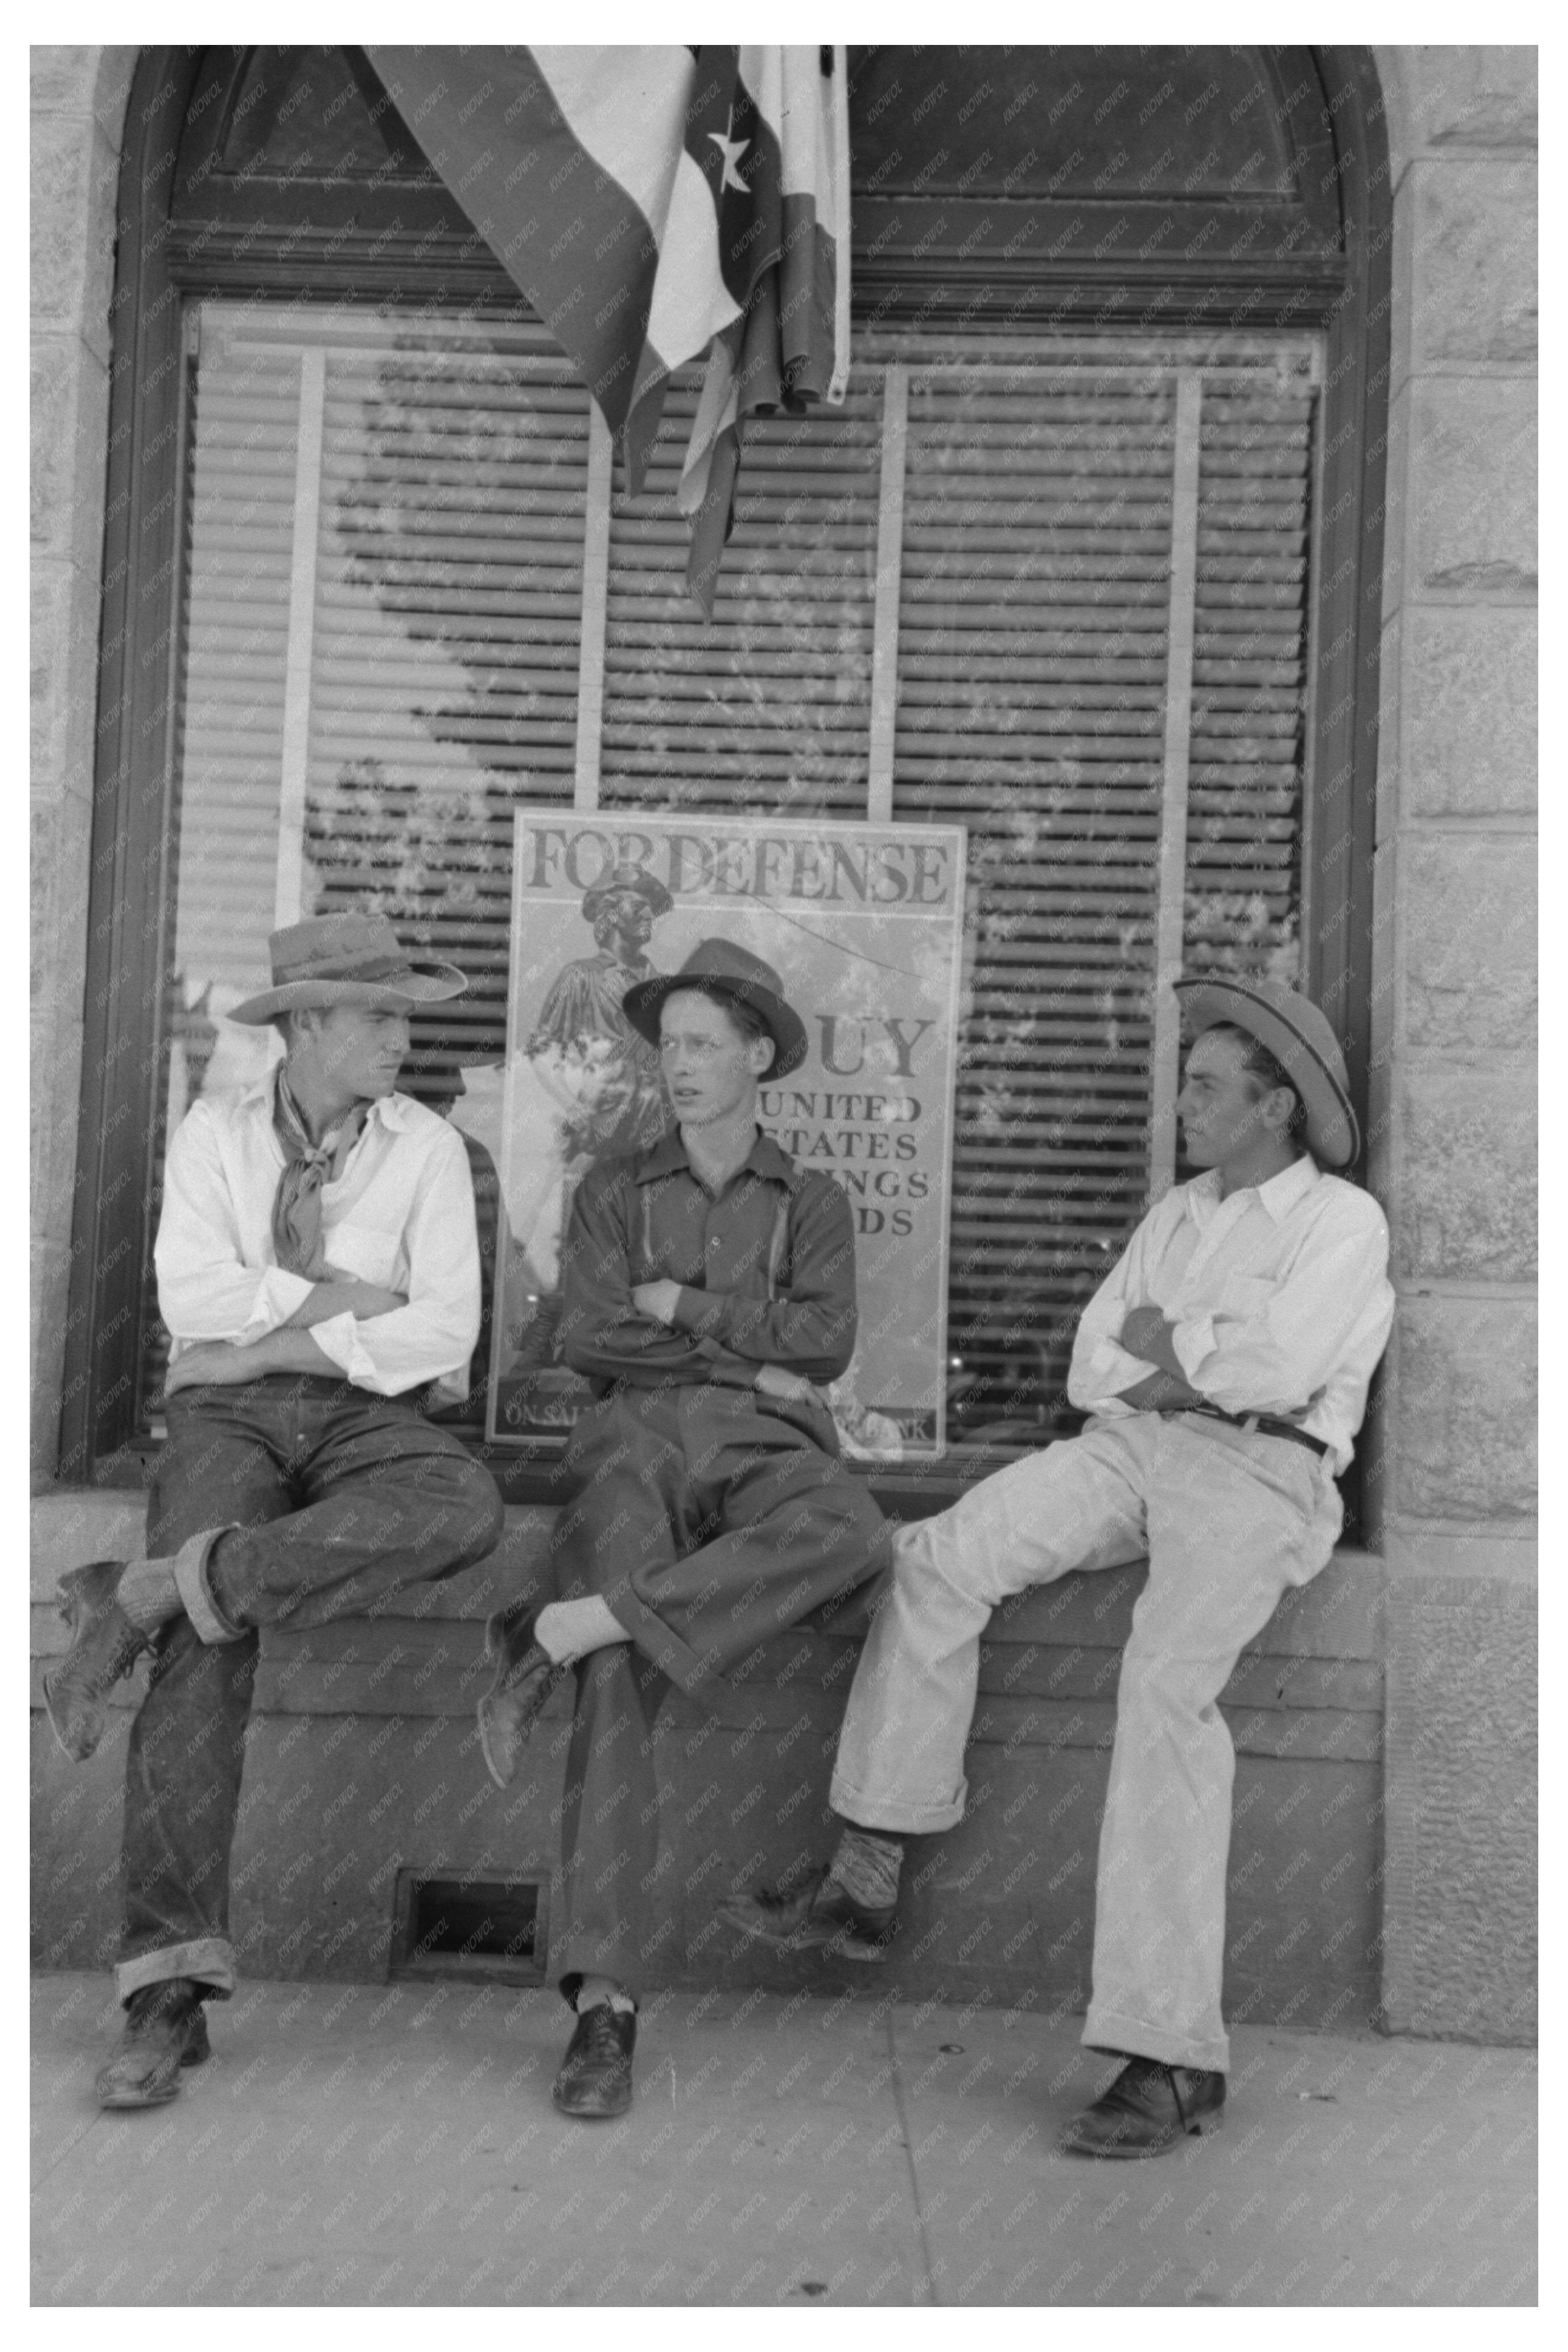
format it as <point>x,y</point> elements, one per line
<point>492,1929</point>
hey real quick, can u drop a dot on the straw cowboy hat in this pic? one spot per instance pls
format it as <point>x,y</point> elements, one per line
<point>346,959</point>
<point>1300,1040</point>
<point>719,965</point>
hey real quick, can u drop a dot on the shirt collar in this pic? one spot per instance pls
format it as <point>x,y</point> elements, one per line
<point>390,1111</point>
<point>764,1158</point>
<point>1278,1195</point>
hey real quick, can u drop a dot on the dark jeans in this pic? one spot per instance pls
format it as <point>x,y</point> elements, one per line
<point>334,1502</point>
<point>710,1524</point>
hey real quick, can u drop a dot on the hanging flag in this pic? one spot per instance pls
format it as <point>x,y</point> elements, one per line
<point>653,204</point>
<point>782,204</point>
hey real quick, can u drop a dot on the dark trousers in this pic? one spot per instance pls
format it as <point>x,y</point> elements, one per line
<point>709,1524</point>
<point>334,1501</point>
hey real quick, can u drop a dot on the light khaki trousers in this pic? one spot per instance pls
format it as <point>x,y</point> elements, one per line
<point>1229,1521</point>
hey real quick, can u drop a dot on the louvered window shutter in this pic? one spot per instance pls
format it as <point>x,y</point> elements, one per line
<point>1051,589</point>
<point>1033,628</point>
<point>1249,676</point>
<point>768,710</point>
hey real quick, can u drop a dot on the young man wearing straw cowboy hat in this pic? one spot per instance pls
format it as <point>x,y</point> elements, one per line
<point>1224,1364</point>
<point>317,1264</point>
<point>708,1290</point>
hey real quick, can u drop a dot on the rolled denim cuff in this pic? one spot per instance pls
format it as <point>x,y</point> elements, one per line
<point>195,1589</point>
<point>897,1816</point>
<point>208,1958</point>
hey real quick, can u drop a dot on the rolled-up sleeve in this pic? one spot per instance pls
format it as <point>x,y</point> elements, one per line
<point>205,1291</point>
<point>431,1338</point>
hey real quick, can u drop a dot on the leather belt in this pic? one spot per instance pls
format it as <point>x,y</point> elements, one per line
<point>1267,1424</point>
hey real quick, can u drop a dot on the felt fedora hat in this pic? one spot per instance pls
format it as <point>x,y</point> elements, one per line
<point>720,966</point>
<point>1301,1041</point>
<point>346,959</point>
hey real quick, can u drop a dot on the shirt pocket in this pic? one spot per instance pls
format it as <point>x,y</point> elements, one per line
<point>366,1251</point>
<point>1245,1296</point>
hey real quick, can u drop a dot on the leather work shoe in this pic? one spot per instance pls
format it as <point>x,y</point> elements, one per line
<point>595,2077</point>
<point>524,1678</point>
<point>1149,2108</point>
<point>165,2028</point>
<point>813,1915</point>
<point>104,1646</point>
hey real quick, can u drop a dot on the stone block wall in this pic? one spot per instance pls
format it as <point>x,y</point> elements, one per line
<point>1453,1110</point>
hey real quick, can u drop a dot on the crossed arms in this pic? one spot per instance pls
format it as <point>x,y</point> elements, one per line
<point>659,1329</point>
<point>236,1316</point>
<point>292,1348</point>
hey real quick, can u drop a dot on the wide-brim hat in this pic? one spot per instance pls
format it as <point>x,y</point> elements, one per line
<point>626,877</point>
<point>1301,1041</point>
<point>719,965</point>
<point>346,959</point>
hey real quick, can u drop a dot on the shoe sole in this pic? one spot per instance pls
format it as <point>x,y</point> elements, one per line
<point>592,2114</point>
<point>840,1943</point>
<point>78,1751</point>
<point>72,1590</point>
<point>110,2101</point>
<point>1112,2153</point>
<point>502,1780</point>
<point>196,2053</point>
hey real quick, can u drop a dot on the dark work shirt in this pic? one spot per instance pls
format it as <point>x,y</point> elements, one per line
<point>646,1217</point>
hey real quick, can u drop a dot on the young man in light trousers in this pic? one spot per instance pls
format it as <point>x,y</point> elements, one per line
<point>1224,1365</point>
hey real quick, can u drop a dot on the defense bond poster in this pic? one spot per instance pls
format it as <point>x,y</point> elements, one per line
<point>863,924</point>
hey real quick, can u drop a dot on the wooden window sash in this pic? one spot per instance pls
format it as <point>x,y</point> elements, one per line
<point>596,611</point>
<point>289,905</point>
<point>1180,630</point>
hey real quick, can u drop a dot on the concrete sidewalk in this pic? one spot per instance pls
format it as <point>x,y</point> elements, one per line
<point>396,2144</point>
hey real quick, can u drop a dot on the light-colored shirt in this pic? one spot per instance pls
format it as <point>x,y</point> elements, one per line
<point>401,1215</point>
<point>1280,1297</point>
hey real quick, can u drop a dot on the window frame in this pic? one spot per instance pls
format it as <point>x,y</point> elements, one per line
<point>345,249</point>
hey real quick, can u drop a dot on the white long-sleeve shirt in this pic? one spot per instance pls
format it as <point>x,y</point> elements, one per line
<point>401,1215</point>
<point>1280,1296</point>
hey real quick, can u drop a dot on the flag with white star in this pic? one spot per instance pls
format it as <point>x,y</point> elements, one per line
<point>653,204</point>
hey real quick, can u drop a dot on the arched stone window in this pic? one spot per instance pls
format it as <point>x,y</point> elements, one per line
<point>1089,562</point>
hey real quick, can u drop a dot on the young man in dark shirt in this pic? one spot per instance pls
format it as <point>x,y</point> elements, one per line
<point>709,1290</point>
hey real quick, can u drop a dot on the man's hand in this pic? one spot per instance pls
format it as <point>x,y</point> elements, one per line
<point>1146,1333</point>
<point>789,1388</point>
<point>657,1300</point>
<point>224,1364</point>
<point>366,1300</point>
<point>1160,1392</point>
<point>213,1364</point>
<point>343,1293</point>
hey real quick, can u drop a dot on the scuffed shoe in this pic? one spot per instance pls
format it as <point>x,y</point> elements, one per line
<point>815,1915</point>
<point>105,1646</point>
<point>525,1676</point>
<point>595,2077</point>
<point>1149,2108</point>
<point>165,2028</point>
